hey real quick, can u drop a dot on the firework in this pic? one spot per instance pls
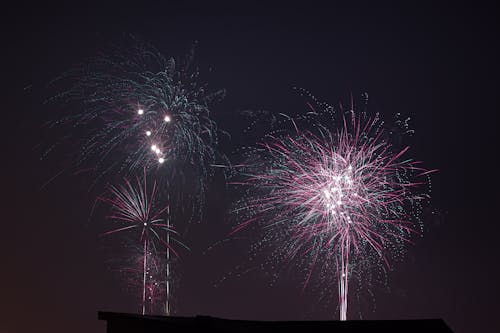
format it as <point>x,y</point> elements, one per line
<point>131,110</point>
<point>337,201</point>
<point>139,110</point>
<point>137,212</point>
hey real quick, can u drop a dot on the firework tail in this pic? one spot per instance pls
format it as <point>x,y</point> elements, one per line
<point>144,272</point>
<point>343,278</point>
<point>167,264</point>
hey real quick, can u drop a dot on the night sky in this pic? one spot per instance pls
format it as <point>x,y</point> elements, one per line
<point>436,64</point>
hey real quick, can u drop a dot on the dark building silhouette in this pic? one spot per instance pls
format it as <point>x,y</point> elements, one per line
<point>128,323</point>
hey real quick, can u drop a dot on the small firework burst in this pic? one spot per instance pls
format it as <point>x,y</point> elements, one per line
<point>137,212</point>
<point>335,201</point>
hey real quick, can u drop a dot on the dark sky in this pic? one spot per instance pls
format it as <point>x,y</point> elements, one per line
<point>435,63</point>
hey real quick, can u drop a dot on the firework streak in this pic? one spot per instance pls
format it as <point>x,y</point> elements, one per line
<point>335,200</point>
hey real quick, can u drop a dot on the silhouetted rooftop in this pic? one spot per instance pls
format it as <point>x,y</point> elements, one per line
<point>124,323</point>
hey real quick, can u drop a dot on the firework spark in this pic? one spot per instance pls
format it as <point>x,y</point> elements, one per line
<point>136,210</point>
<point>339,199</point>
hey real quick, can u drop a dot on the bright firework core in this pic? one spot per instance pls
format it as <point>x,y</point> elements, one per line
<point>154,147</point>
<point>339,194</point>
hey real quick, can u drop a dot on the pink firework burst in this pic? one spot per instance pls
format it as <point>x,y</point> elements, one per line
<point>335,199</point>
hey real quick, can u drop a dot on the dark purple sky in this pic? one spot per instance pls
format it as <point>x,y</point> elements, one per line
<point>435,63</point>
